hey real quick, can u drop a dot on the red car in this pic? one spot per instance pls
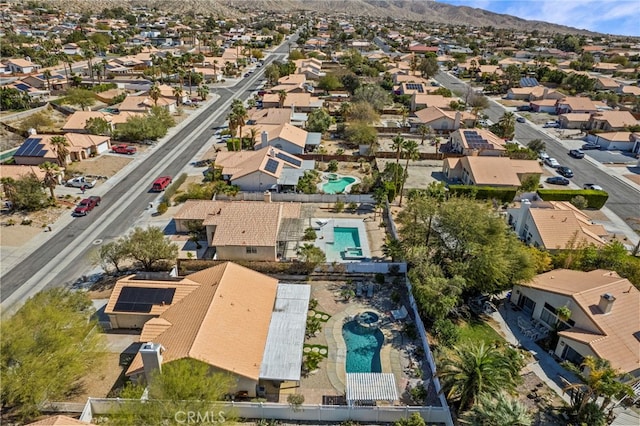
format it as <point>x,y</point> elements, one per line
<point>161,183</point>
<point>124,149</point>
<point>87,205</point>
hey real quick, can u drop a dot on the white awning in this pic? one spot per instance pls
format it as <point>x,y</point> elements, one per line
<point>369,387</point>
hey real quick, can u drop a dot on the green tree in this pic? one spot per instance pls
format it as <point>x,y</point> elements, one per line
<point>13,99</point>
<point>203,91</point>
<point>500,410</point>
<point>598,385</point>
<point>178,92</point>
<point>26,192</point>
<point>471,370</point>
<point>237,117</point>
<point>329,82</point>
<point>350,82</point>
<point>429,66</point>
<point>47,76</point>
<point>414,420</point>
<point>361,111</point>
<point>272,73</point>
<point>393,248</point>
<point>530,183</point>
<point>537,145</point>
<point>98,126</point>
<point>82,97</point>
<point>372,94</point>
<point>150,247</point>
<point>113,254</point>
<point>361,133</point>
<point>425,132</point>
<point>60,146</point>
<point>47,347</point>
<point>312,254</point>
<point>319,120</point>
<point>51,173</point>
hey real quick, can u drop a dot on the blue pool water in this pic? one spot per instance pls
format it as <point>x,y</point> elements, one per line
<point>337,186</point>
<point>363,348</point>
<point>343,239</point>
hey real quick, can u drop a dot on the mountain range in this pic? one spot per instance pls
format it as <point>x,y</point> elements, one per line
<point>415,10</point>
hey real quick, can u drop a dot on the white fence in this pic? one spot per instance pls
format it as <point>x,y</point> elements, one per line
<point>302,198</point>
<point>374,267</point>
<point>314,413</point>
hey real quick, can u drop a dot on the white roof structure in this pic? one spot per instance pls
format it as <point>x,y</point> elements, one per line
<point>282,357</point>
<point>369,387</point>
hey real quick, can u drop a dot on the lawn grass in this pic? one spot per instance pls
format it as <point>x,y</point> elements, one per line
<point>474,331</point>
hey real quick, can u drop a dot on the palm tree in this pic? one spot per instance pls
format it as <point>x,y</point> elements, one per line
<point>501,410</point>
<point>203,91</point>
<point>380,196</point>
<point>239,116</point>
<point>410,152</point>
<point>282,96</point>
<point>597,380</point>
<point>253,134</point>
<point>393,248</point>
<point>51,173</point>
<point>425,132</point>
<point>60,146</point>
<point>47,75</point>
<point>215,70</point>
<point>472,370</point>
<point>155,93</point>
<point>396,144</point>
<point>177,92</point>
<point>507,125</point>
<point>89,54</point>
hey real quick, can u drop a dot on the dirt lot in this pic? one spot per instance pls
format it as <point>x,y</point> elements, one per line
<point>99,382</point>
<point>13,233</point>
<point>104,165</point>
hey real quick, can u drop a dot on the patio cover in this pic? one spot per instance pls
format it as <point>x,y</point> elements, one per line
<point>370,387</point>
<point>282,357</point>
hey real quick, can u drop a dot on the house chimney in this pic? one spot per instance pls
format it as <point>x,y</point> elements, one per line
<point>267,196</point>
<point>264,139</point>
<point>456,121</point>
<point>606,303</point>
<point>545,92</point>
<point>525,205</point>
<point>151,358</point>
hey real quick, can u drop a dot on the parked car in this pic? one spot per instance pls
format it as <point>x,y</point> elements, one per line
<point>87,205</point>
<point>524,108</point>
<point>576,153</point>
<point>553,124</point>
<point>565,171</point>
<point>543,155</point>
<point>246,75</point>
<point>588,146</point>
<point>80,181</point>
<point>592,186</point>
<point>551,162</point>
<point>557,180</point>
<point>124,149</point>
<point>161,183</point>
<point>521,120</point>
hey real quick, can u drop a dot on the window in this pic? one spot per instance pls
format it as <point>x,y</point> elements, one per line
<point>526,304</point>
<point>252,250</point>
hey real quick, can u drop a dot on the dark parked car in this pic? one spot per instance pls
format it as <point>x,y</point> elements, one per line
<point>558,180</point>
<point>565,171</point>
<point>524,108</point>
<point>588,146</point>
<point>576,153</point>
<point>521,120</point>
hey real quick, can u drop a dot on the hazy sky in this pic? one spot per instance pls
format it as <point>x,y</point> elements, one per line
<point>604,16</point>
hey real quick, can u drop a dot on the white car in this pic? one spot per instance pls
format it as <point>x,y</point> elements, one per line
<point>551,162</point>
<point>543,155</point>
<point>79,182</point>
<point>592,186</point>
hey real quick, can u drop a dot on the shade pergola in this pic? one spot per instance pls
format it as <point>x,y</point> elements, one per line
<point>370,387</point>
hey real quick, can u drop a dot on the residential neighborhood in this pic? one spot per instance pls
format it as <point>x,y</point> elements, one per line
<point>273,215</point>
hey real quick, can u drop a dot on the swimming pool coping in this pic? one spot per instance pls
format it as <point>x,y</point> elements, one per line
<point>325,179</point>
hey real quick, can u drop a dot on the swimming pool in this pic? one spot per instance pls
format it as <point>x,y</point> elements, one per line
<point>346,243</point>
<point>363,348</point>
<point>338,186</point>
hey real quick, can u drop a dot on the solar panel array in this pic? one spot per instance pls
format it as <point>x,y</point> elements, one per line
<point>528,82</point>
<point>142,299</point>
<point>415,86</point>
<point>32,147</point>
<point>475,141</point>
<point>289,159</point>
<point>23,86</point>
<point>271,166</point>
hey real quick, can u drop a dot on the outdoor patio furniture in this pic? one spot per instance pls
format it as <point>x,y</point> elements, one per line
<point>399,314</point>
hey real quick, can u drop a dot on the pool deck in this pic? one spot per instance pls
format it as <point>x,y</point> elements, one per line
<point>325,236</point>
<point>390,359</point>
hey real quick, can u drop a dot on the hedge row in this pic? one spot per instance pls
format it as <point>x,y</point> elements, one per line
<point>505,194</point>
<point>595,199</point>
<point>171,189</point>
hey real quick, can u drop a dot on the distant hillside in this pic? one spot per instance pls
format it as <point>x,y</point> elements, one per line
<point>416,10</point>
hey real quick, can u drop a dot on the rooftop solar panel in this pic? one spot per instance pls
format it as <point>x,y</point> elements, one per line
<point>271,166</point>
<point>142,299</point>
<point>32,147</point>
<point>289,159</point>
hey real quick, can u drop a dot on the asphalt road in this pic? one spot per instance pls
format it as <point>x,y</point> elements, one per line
<point>624,199</point>
<point>65,256</point>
